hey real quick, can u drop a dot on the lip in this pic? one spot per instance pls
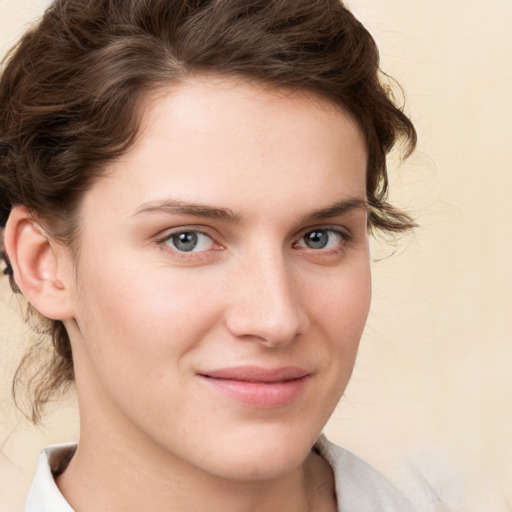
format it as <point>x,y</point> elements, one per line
<point>258,387</point>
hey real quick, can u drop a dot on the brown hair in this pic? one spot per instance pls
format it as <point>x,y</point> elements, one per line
<point>70,89</point>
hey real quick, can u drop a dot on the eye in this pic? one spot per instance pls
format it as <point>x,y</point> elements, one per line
<point>189,241</point>
<point>322,239</point>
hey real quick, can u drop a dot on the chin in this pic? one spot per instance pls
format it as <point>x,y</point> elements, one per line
<point>260,467</point>
<point>266,454</point>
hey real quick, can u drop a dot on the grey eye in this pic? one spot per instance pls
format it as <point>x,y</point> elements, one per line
<point>185,242</point>
<point>321,239</point>
<point>189,241</point>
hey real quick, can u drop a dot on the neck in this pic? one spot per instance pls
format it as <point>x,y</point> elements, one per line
<point>116,473</point>
<point>117,479</point>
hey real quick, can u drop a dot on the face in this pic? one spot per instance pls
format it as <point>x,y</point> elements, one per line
<point>223,280</point>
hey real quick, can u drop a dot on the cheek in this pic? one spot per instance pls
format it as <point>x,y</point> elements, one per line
<point>149,318</point>
<point>354,300</point>
<point>341,306</point>
<point>340,314</point>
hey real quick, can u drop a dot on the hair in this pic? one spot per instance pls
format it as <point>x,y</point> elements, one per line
<point>71,91</point>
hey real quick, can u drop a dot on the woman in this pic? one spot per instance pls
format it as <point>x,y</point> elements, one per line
<point>187,192</point>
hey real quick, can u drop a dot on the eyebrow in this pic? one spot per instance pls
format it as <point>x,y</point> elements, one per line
<point>177,207</point>
<point>337,209</point>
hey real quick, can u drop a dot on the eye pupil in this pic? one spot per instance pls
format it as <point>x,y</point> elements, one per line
<point>317,239</point>
<point>185,241</point>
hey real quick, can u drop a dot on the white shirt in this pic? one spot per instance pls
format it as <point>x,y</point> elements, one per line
<point>359,487</point>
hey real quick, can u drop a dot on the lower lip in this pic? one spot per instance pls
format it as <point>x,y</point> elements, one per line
<point>259,394</point>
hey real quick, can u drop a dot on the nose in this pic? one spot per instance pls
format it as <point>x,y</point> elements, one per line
<point>265,303</point>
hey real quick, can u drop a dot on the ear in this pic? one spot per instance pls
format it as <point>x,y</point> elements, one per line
<point>41,265</point>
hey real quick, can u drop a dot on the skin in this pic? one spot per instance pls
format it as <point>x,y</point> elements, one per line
<point>146,320</point>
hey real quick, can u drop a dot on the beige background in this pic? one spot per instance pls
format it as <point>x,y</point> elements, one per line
<point>431,397</point>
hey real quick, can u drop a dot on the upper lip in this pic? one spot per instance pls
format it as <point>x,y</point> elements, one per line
<point>257,373</point>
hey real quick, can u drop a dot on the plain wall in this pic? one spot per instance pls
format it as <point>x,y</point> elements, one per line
<point>431,396</point>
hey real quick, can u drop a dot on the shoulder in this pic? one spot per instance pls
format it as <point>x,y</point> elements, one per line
<point>359,487</point>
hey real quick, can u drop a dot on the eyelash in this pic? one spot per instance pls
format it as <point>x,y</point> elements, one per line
<point>345,239</point>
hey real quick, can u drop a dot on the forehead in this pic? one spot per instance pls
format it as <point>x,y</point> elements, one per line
<point>239,145</point>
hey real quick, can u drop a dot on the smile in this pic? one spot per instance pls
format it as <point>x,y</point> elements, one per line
<point>258,387</point>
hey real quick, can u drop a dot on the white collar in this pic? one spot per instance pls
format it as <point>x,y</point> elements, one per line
<point>44,495</point>
<point>360,487</point>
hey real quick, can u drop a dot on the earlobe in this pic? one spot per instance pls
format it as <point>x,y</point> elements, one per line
<point>37,263</point>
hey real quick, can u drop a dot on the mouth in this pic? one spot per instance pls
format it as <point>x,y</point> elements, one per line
<point>258,387</point>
